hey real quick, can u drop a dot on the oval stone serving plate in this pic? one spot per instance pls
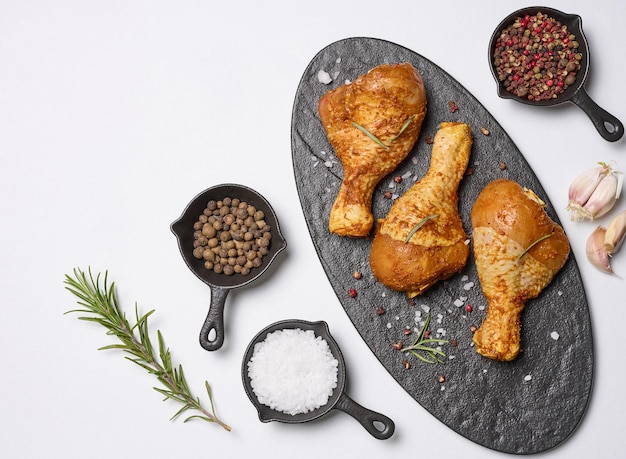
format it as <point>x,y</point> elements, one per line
<point>526,406</point>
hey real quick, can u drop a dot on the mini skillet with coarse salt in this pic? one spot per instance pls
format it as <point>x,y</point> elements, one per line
<point>378,425</point>
<point>212,332</point>
<point>609,127</point>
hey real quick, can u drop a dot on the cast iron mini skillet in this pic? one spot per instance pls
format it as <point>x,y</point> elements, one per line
<point>212,333</point>
<point>380,426</point>
<point>609,127</point>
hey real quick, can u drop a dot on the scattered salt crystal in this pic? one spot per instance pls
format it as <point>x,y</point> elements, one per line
<point>458,303</point>
<point>425,308</point>
<point>468,286</point>
<point>466,241</point>
<point>464,278</point>
<point>481,307</point>
<point>338,61</point>
<point>328,163</point>
<point>560,293</point>
<point>328,190</point>
<point>441,331</point>
<point>324,77</point>
<point>439,318</point>
<point>335,75</point>
<point>528,377</point>
<point>451,357</point>
<point>388,324</point>
<point>384,295</point>
<point>293,371</point>
<point>406,175</point>
<point>397,317</point>
<point>443,388</point>
<point>554,335</point>
<point>484,370</point>
<point>394,196</point>
<point>347,81</point>
<point>392,185</point>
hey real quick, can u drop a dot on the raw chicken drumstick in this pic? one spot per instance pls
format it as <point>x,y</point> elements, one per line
<point>389,104</point>
<point>518,249</point>
<point>422,240</point>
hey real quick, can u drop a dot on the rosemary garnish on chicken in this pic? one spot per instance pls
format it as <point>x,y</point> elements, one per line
<point>100,302</point>
<point>527,249</point>
<point>418,226</point>
<point>368,133</point>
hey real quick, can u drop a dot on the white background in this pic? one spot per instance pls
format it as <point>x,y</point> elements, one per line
<point>114,114</point>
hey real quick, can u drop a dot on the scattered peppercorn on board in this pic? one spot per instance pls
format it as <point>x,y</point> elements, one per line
<point>522,407</point>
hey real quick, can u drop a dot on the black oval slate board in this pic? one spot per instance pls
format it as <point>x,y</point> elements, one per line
<point>522,407</point>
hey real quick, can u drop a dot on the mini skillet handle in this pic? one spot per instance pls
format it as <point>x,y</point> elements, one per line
<point>607,125</point>
<point>214,322</point>
<point>368,419</point>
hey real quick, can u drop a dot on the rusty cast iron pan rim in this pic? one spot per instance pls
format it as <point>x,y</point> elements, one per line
<point>378,425</point>
<point>607,125</point>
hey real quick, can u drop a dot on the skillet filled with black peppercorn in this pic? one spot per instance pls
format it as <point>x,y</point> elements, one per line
<point>540,56</point>
<point>228,236</point>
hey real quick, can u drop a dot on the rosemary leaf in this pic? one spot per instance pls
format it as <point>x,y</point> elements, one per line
<point>369,134</point>
<point>100,300</point>
<point>403,128</point>
<point>417,227</point>
<point>545,236</point>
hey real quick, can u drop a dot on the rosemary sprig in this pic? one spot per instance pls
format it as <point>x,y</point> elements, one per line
<point>403,128</point>
<point>545,236</point>
<point>420,348</point>
<point>417,227</point>
<point>102,305</point>
<point>368,133</point>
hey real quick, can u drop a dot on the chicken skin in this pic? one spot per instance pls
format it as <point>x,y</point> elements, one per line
<point>411,260</point>
<point>518,250</point>
<point>389,104</point>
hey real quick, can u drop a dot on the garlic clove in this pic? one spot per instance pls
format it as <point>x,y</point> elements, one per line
<point>582,187</point>
<point>615,233</point>
<point>596,253</point>
<point>604,196</point>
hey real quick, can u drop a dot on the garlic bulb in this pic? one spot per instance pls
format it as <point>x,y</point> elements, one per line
<point>596,253</point>
<point>595,192</point>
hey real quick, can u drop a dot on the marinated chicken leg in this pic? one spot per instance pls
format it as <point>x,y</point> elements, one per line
<point>518,250</point>
<point>408,257</point>
<point>389,104</point>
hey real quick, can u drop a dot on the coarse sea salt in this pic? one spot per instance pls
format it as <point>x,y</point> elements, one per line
<point>293,371</point>
<point>324,77</point>
<point>554,335</point>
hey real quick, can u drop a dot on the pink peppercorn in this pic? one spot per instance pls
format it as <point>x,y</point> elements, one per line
<point>469,308</point>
